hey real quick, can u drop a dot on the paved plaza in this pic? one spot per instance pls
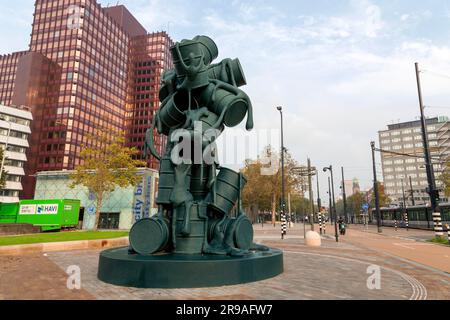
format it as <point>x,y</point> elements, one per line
<point>333,271</point>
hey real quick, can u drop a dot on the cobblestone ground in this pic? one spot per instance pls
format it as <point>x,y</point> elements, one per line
<point>333,271</point>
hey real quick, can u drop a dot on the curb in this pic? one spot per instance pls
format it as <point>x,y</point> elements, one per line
<point>63,246</point>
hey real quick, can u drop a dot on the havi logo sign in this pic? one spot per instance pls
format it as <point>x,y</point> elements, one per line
<point>47,209</point>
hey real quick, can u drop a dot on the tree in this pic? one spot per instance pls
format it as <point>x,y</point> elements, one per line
<point>4,173</point>
<point>383,197</point>
<point>263,190</point>
<point>106,164</point>
<point>445,179</point>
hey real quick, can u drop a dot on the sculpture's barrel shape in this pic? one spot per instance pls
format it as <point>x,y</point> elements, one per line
<point>166,181</point>
<point>209,48</point>
<point>239,230</point>
<point>220,101</point>
<point>226,190</point>
<point>172,114</point>
<point>187,54</point>
<point>242,232</point>
<point>193,243</point>
<point>227,71</point>
<point>149,235</point>
<point>199,181</point>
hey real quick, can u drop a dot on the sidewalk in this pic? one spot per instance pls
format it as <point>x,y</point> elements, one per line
<point>403,244</point>
<point>332,271</point>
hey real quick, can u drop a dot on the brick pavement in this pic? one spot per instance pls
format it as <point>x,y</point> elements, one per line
<point>333,271</point>
<point>35,277</point>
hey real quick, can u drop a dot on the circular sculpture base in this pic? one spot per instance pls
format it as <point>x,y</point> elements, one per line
<point>170,270</point>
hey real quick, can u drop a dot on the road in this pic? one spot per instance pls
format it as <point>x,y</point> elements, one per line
<point>410,245</point>
<point>410,270</point>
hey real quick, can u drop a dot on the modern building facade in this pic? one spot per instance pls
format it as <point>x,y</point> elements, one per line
<point>403,162</point>
<point>87,68</point>
<point>120,209</point>
<point>15,128</point>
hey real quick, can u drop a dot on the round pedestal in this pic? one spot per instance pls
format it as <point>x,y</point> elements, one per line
<point>118,267</point>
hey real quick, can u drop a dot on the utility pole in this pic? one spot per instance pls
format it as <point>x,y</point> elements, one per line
<point>375,189</point>
<point>283,201</point>
<point>311,199</point>
<point>344,197</point>
<point>289,209</point>
<point>412,192</point>
<point>432,191</point>
<point>319,202</point>
<point>329,201</point>
<point>330,168</point>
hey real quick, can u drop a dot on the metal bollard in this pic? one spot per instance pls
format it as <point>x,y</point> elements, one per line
<point>438,224</point>
<point>406,221</point>
<point>283,225</point>
<point>320,222</point>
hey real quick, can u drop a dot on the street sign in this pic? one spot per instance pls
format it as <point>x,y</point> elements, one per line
<point>91,209</point>
<point>365,206</point>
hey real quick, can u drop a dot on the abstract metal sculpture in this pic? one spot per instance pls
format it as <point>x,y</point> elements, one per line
<point>197,196</point>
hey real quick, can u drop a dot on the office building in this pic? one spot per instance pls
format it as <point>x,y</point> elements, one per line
<point>403,161</point>
<point>15,123</point>
<point>87,68</point>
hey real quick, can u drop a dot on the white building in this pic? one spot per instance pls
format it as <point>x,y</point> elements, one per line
<point>15,125</point>
<point>403,162</point>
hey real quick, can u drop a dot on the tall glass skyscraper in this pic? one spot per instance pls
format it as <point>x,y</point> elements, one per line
<point>87,67</point>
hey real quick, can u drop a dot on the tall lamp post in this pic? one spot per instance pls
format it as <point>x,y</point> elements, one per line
<point>319,201</point>
<point>329,201</point>
<point>432,190</point>
<point>283,203</point>
<point>344,197</point>
<point>330,168</point>
<point>375,188</point>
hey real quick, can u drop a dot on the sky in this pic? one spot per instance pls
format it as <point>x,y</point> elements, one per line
<point>342,70</point>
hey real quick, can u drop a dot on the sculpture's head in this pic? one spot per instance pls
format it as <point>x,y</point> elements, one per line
<point>192,56</point>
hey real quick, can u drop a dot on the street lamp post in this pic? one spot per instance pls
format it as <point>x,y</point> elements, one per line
<point>344,197</point>
<point>330,168</point>
<point>375,189</point>
<point>319,201</point>
<point>329,200</point>
<point>283,203</point>
<point>432,190</point>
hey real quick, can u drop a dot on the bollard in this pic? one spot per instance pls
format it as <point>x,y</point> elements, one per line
<point>320,222</point>
<point>395,225</point>
<point>448,231</point>
<point>406,221</point>
<point>438,224</point>
<point>283,225</point>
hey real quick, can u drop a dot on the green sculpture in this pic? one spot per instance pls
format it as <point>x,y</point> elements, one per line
<point>200,214</point>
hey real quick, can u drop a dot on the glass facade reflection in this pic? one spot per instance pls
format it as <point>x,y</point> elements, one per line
<point>88,67</point>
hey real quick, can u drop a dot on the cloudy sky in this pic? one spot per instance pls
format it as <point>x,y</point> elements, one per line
<point>342,70</point>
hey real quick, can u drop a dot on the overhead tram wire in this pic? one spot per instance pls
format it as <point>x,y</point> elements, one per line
<point>404,154</point>
<point>437,74</point>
